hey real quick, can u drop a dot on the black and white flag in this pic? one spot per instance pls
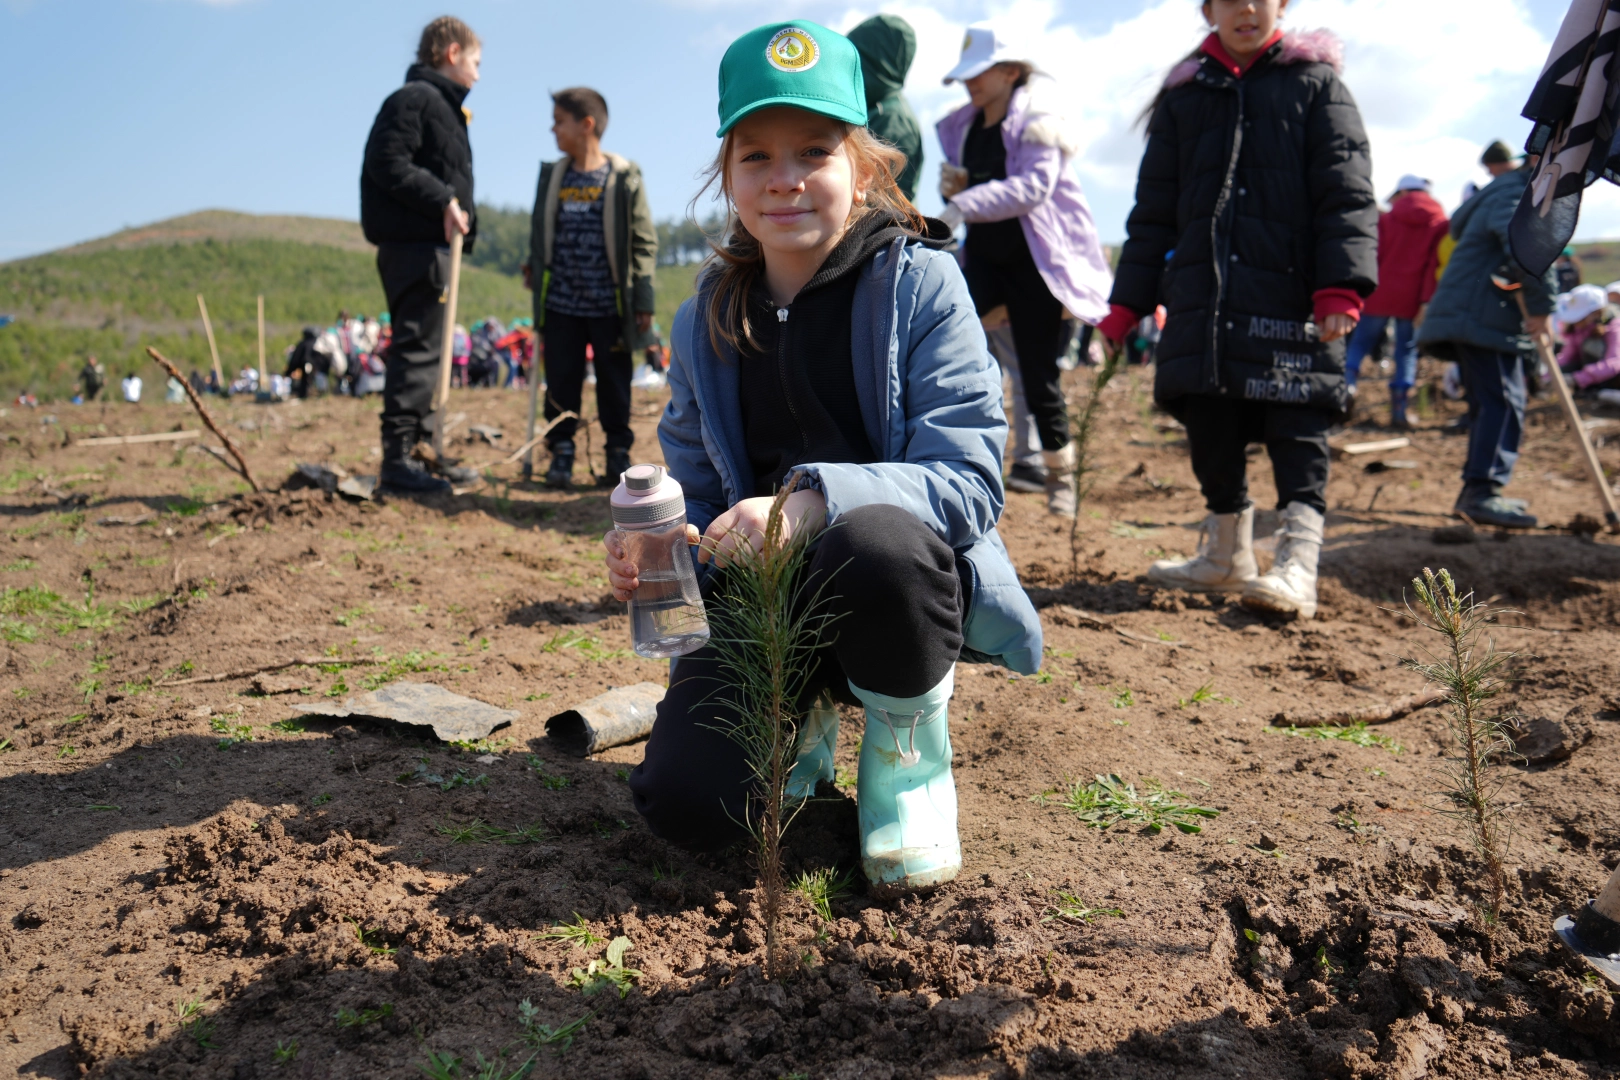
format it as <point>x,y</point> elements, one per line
<point>1576,109</point>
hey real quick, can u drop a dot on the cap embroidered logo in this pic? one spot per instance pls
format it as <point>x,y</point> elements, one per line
<point>967,41</point>
<point>792,50</point>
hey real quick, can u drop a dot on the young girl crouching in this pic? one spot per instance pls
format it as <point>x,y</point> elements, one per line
<point>1256,226</point>
<point>832,346</point>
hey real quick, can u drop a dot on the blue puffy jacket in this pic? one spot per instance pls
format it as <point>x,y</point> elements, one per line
<point>930,397</point>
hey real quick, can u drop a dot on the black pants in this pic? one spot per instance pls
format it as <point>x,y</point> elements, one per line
<point>565,339</point>
<point>1219,431</point>
<point>896,590</point>
<point>414,277</point>
<point>1038,331</point>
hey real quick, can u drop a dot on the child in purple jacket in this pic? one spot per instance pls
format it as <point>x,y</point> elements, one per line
<point>1591,351</point>
<point>1031,243</point>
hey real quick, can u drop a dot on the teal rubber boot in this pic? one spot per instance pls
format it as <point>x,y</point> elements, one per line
<point>818,738</point>
<point>906,794</point>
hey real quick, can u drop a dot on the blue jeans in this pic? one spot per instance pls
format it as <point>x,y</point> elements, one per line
<point>1364,339</point>
<point>1496,396</point>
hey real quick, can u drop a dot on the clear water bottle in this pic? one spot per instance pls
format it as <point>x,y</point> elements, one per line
<point>666,611</point>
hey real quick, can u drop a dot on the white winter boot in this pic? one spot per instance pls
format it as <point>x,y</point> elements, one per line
<point>1224,561</point>
<point>1060,481</point>
<point>1290,586</point>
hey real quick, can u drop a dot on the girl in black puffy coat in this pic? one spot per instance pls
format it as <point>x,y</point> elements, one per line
<point>1256,226</point>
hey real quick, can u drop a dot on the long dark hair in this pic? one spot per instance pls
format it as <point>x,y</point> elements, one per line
<point>736,259</point>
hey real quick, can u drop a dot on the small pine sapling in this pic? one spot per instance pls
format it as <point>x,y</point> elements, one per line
<point>766,629</point>
<point>1083,422</point>
<point>1466,667</point>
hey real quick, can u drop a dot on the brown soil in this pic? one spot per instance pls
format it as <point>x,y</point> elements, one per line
<point>1325,924</point>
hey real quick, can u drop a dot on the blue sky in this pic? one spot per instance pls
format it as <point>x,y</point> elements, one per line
<point>128,111</point>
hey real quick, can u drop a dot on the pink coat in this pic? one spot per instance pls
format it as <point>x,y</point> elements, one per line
<point>1042,192</point>
<point>1601,370</point>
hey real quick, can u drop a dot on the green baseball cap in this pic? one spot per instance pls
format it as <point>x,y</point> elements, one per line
<point>799,63</point>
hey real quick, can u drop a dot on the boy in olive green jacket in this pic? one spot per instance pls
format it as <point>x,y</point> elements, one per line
<point>592,249</point>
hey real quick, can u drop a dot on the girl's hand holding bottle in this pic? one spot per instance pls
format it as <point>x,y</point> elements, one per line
<point>745,522</point>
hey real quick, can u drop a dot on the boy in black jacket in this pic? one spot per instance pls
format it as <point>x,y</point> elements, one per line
<point>416,191</point>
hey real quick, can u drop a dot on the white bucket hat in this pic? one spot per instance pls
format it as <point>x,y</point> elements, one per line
<point>1411,182</point>
<point>982,49</point>
<point>1612,287</point>
<point>1579,302</point>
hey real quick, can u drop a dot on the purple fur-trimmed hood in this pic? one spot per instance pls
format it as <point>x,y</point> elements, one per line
<point>1296,47</point>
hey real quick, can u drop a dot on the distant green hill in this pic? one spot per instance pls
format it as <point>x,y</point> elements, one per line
<point>116,295</point>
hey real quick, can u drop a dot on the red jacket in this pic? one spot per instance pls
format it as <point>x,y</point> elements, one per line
<point>1409,235</point>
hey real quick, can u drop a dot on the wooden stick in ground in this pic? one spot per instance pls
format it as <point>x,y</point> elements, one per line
<point>1611,514</point>
<point>447,341</point>
<point>248,673</point>
<point>534,410</point>
<point>1380,713</point>
<point>202,411</point>
<point>264,377</point>
<point>213,349</point>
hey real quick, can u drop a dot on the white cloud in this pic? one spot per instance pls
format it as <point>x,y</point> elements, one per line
<point>1436,81</point>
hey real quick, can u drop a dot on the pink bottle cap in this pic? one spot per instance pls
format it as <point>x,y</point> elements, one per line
<point>646,496</point>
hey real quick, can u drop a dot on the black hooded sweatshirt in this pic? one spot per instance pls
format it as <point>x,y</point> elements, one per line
<point>797,387</point>
<point>417,158</point>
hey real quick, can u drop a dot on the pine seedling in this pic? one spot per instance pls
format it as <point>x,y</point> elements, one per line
<point>766,629</point>
<point>1467,667</point>
<point>1083,428</point>
<point>822,887</point>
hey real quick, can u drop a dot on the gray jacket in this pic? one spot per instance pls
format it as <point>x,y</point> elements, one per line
<point>1466,308</point>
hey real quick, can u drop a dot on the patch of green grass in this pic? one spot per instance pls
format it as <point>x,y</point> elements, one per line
<point>822,887</point>
<point>103,806</point>
<point>479,831</point>
<point>1202,695</point>
<point>358,1018</point>
<point>483,746</point>
<point>1357,734</point>
<point>89,615</point>
<point>286,1052</point>
<point>427,775</point>
<point>1071,907</point>
<point>576,933</point>
<point>578,641</point>
<point>609,972</point>
<point>67,750</point>
<point>397,668</point>
<point>347,618</point>
<point>1123,697</point>
<point>184,506</point>
<point>1108,801</point>
<point>372,940</point>
<point>142,603</point>
<point>536,697</point>
<point>18,566</point>
<point>7,746</point>
<point>17,631</point>
<point>440,1066</point>
<point>199,1028</point>
<point>234,734</point>
<point>322,799</point>
<point>34,600</point>
<point>559,1038</point>
<point>293,725</point>
<point>549,781</point>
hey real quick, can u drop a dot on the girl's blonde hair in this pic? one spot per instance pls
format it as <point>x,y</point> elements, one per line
<point>439,35</point>
<point>736,259</point>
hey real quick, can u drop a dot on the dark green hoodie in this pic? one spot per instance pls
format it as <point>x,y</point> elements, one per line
<point>887,46</point>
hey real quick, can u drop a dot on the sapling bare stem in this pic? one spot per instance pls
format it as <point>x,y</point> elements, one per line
<point>1467,667</point>
<point>766,629</point>
<point>1084,422</point>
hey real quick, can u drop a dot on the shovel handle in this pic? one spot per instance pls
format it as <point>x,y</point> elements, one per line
<point>447,341</point>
